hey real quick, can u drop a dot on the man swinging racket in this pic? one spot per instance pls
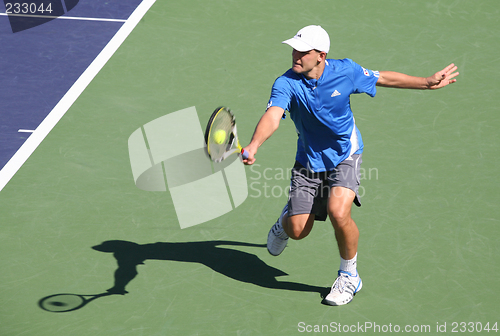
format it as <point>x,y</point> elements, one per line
<point>325,177</point>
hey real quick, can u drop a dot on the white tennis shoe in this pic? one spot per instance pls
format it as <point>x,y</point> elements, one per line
<point>277,237</point>
<point>344,288</point>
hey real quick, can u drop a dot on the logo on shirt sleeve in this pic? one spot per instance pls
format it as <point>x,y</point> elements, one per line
<point>367,73</point>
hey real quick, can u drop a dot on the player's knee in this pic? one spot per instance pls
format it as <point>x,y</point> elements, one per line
<point>298,233</point>
<point>340,217</point>
<point>298,229</point>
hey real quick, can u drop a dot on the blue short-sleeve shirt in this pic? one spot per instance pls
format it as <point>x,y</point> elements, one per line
<point>321,111</point>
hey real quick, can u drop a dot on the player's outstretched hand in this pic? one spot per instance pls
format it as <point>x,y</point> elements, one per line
<point>442,78</point>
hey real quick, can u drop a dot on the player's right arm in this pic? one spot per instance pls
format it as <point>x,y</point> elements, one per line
<point>267,125</point>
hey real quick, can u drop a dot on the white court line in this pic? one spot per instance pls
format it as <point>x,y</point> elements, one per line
<point>64,17</point>
<point>24,131</point>
<point>29,146</point>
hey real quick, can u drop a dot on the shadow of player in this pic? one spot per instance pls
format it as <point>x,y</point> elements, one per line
<point>235,264</point>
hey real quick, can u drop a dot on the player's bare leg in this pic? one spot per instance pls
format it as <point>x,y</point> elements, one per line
<point>346,230</point>
<point>348,281</point>
<point>295,227</point>
<point>298,226</point>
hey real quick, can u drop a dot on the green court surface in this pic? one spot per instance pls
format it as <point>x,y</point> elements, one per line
<point>429,247</point>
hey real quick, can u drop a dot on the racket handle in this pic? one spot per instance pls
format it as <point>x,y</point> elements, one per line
<point>244,154</point>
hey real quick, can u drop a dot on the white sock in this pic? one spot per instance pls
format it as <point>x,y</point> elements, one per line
<point>349,265</point>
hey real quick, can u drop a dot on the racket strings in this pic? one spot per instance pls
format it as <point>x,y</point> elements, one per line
<point>223,121</point>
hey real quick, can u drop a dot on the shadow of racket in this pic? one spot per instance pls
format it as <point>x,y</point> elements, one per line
<point>61,303</point>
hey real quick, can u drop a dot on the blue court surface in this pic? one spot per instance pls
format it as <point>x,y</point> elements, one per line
<point>39,65</point>
<point>85,251</point>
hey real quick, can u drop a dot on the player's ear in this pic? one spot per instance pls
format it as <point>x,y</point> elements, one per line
<point>321,56</point>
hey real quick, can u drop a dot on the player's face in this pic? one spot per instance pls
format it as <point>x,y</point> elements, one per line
<point>305,61</point>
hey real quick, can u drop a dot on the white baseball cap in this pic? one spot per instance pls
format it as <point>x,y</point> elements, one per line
<point>310,37</point>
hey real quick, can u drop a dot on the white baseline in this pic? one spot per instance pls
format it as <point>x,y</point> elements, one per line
<point>64,17</point>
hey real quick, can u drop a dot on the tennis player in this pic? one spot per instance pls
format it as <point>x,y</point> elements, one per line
<point>325,178</point>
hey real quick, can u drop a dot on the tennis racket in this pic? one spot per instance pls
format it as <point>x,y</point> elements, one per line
<point>61,303</point>
<point>221,137</point>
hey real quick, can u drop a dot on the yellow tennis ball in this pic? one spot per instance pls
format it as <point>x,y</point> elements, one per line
<point>220,137</point>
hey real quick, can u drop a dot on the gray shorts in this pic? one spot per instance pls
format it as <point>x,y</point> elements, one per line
<point>309,191</point>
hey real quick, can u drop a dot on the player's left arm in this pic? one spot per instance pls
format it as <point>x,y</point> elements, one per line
<point>402,81</point>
